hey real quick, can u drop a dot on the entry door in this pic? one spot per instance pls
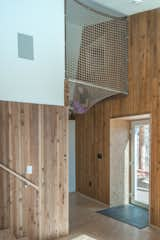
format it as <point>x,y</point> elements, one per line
<point>140,163</point>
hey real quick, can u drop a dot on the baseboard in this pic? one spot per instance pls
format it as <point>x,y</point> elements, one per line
<point>92,199</point>
<point>154,227</point>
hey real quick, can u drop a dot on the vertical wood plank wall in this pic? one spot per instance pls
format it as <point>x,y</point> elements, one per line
<point>4,177</point>
<point>53,181</point>
<point>34,135</point>
<point>92,129</point>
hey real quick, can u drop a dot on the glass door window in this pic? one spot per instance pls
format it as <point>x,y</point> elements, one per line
<point>140,163</point>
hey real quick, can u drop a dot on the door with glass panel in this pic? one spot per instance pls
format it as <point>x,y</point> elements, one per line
<point>140,162</point>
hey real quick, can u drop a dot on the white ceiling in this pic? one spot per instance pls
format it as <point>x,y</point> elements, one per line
<point>80,15</point>
<point>126,7</point>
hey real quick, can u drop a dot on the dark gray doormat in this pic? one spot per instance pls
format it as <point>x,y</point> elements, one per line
<point>130,214</point>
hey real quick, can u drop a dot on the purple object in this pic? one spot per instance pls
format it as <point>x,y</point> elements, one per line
<point>78,108</point>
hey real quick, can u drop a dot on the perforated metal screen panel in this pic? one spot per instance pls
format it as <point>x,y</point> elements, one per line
<point>96,58</point>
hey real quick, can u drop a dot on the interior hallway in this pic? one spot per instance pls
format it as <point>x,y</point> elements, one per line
<point>85,221</point>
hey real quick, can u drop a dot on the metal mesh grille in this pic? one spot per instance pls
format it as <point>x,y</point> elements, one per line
<point>96,58</point>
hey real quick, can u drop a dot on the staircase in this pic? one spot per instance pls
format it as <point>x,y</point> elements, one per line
<point>6,235</point>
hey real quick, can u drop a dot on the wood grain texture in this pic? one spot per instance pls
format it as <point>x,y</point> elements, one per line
<point>4,180</point>
<point>144,97</point>
<point>23,151</point>
<point>54,208</point>
<point>34,135</point>
<point>92,138</point>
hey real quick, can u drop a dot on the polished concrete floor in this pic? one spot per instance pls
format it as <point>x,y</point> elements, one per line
<point>86,224</point>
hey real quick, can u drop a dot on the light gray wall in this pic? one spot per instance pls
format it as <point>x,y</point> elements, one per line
<point>73,43</point>
<point>119,162</point>
<point>41,80</point>
<point>72,162</point>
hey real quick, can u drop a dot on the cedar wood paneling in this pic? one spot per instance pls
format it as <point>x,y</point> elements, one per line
<point>92,129</point>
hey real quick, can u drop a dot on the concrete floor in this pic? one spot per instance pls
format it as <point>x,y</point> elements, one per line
<point>86,224</point>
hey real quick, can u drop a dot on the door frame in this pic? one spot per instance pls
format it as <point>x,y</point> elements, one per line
<point>132,148</point>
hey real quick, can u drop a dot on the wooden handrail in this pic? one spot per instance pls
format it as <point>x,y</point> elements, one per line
<point>20,177</point>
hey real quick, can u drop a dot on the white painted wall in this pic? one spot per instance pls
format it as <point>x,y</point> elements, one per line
<point>72,162</point>
<point>119,162</point>
<point>73,43</point>
<point>41,80</point>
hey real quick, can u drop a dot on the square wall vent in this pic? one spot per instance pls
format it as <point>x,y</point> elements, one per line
<point>25,46</point>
